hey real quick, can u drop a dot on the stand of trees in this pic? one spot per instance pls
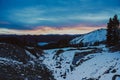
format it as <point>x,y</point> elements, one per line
<point>113,31</point>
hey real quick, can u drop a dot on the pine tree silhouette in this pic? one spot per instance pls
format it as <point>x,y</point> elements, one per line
<point>113,31</point>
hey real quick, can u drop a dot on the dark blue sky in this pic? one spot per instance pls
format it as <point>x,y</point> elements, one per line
<point>29,14</point>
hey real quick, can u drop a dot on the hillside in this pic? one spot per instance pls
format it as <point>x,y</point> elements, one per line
<point>90,38</point>
<point>86,63</point>
<point>18,63</point>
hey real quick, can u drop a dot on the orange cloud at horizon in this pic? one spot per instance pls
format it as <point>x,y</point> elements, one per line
<point>52,30</point>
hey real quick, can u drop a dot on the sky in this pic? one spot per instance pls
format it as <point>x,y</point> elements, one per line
<point>55,16</point>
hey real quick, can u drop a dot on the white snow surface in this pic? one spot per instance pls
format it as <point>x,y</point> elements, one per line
<point>30,55</point>
<point>118,78</point>
<point>101,65</point>
<point>6,61</point>
<point>90,38</point>
<point>97,67</point>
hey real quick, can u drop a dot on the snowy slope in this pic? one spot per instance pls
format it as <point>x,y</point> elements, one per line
<point>83,63</point>
<point>90,38</point>
<point>102,67</point>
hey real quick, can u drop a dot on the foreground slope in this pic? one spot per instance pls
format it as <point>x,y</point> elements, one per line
<point>20,63</point>
<point>103,66</point>
<point>86,63</point>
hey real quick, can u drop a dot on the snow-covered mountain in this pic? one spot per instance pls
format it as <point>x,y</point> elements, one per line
<point>90,38</point>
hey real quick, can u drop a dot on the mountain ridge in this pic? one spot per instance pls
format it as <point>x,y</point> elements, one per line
<point>90,38</point>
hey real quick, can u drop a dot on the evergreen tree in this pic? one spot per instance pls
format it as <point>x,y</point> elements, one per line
<point>113,31</point>
<point>109,32</point>
<point>116,29</point>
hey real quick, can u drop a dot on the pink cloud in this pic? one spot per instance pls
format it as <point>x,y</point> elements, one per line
<point>78,29</point>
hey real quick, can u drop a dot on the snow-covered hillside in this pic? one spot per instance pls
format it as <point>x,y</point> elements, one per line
<point>86,63</point>
<point>90,38</point>
<point>103,66</point>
